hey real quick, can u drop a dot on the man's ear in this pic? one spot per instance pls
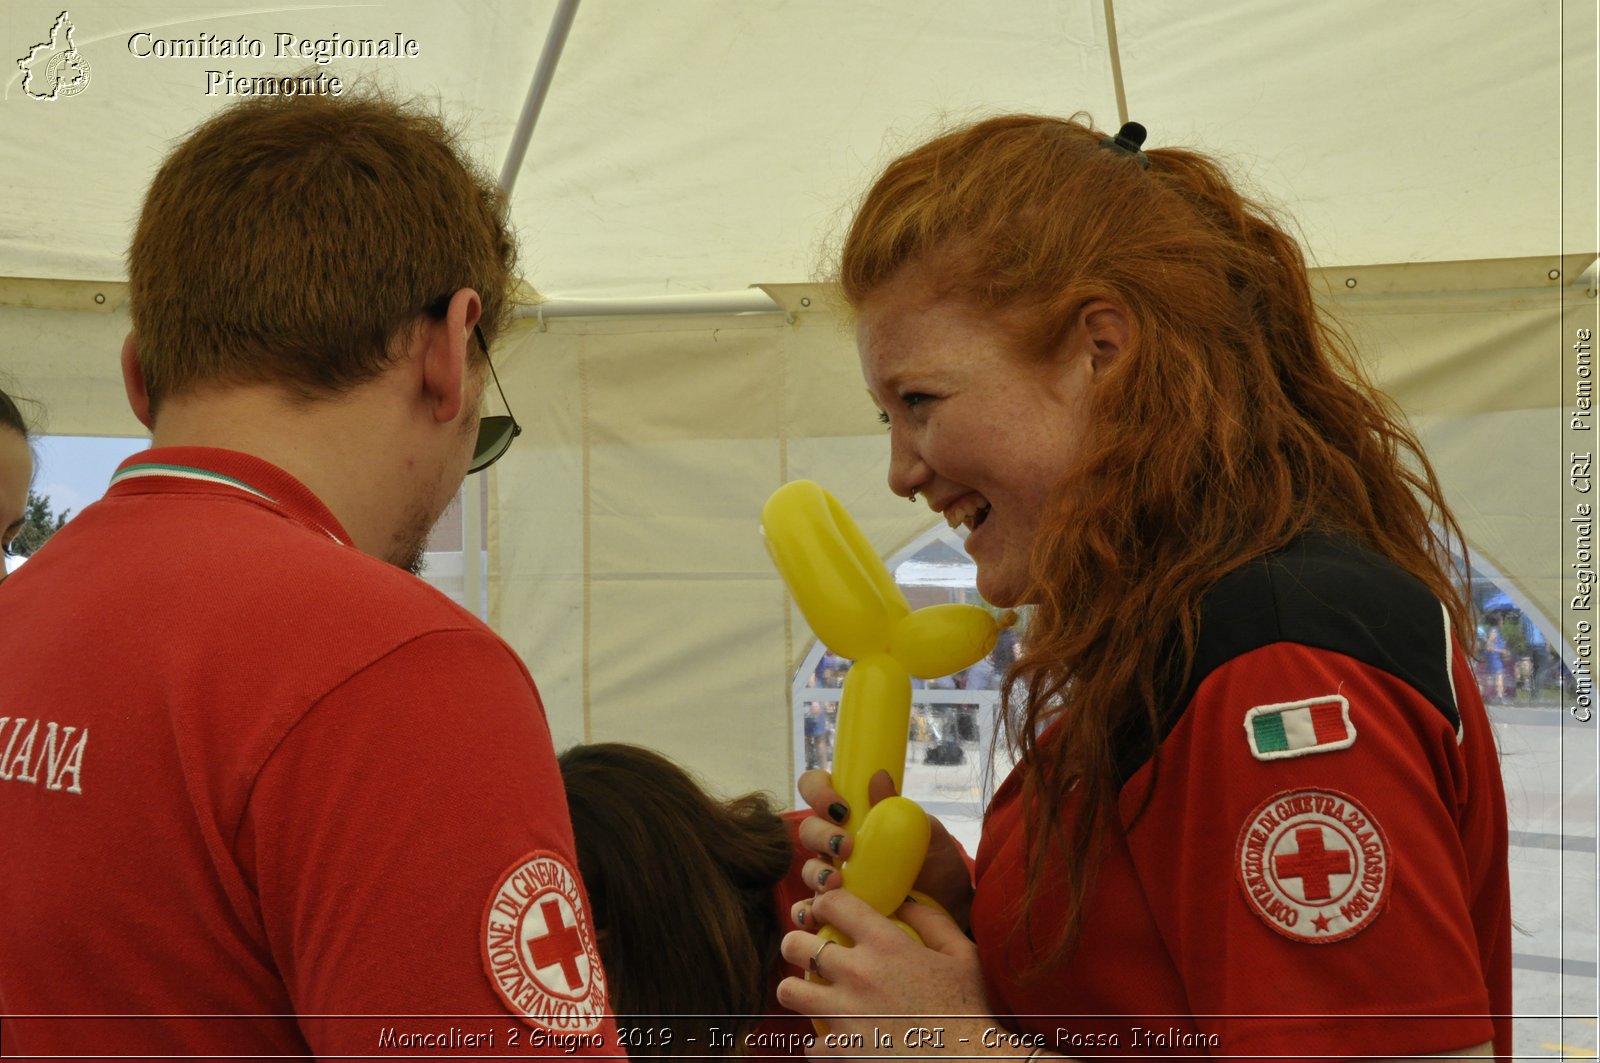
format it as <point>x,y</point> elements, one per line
<point>447,349</point>
<point>1104,327</point>
<point>133,382</point>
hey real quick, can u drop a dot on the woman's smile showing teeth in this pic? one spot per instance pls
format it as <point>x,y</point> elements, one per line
<point>967,513</point>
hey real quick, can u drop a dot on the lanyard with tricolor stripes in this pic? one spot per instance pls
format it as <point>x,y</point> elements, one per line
<point>187,472</point>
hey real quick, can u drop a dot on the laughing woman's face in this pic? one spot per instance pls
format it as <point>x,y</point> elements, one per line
<point>980,430</point>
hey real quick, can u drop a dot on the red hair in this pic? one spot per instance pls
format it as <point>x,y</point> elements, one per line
<point>1235,420</point>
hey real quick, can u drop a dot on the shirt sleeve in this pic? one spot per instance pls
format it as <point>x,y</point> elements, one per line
<point>1302,850</point>
<point>412,853</point>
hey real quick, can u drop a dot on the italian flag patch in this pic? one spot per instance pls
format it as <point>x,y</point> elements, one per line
<point>1299,728</point>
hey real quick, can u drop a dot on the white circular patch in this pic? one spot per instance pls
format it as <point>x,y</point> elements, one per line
<point>1313,865</point>
<point>538,946</point>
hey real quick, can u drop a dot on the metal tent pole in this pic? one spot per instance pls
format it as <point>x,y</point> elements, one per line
<point>1116,63</point>
<point>748,301</point>
<point>555,39</point>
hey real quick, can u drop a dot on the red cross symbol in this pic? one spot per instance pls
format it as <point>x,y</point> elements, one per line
<point>560,944</point>
<point>1313,864</point>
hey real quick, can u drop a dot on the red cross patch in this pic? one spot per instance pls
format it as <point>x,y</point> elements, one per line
<point>538,946</point>
<point>1313,865</point>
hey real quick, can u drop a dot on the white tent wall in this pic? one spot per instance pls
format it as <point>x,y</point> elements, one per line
<point>1479,355</point>
<point>653,444</point>
<point>59,345</point>
<point>629,564</point>
<point>626,561</point>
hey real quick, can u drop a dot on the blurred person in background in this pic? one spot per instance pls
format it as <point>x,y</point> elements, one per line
<point>651,840</point>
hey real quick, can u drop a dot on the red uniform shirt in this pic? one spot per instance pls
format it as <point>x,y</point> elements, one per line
<point>1321,868</point>
<point>262,793</point>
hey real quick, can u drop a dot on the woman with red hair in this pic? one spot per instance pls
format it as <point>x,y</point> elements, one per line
<point>1257,809</point>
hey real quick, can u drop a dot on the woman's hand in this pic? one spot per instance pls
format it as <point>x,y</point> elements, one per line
<point>946,874</point>
<point>886,984</point>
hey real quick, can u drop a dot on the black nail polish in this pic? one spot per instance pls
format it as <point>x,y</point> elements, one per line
<point>834,843</point>
<point>837,812</point>
<point>823,876</point>
<point>800,917</point>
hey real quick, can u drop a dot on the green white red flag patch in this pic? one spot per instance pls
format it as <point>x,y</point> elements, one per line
<point>1299,728</point>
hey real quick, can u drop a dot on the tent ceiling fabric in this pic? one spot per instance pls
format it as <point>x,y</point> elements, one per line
<point>706,145</point>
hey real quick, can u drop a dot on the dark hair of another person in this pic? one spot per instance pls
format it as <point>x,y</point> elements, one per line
<point>1235,420</point>
<point>682,890</point>
<point>293,239</point>
<point>11,417</point>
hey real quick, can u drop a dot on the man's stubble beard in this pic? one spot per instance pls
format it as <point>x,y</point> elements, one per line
<point>411,542</point>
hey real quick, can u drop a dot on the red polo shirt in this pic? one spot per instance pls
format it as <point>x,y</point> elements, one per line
<point>264,794</point>
<point>1321,866</point>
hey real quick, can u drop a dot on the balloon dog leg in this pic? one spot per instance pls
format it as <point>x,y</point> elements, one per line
<point>889,849</point>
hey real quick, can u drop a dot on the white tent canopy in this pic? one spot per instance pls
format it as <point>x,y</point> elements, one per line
<point>1439,158</point>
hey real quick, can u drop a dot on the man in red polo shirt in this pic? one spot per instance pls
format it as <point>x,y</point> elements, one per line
<point>263,792</point>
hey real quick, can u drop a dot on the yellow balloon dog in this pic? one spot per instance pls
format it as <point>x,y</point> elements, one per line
<point>853,605</point>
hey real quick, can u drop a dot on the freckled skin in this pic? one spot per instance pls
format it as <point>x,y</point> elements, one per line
<point>972,419</point>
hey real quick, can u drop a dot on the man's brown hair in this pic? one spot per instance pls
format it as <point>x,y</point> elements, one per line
<point>291,239</point>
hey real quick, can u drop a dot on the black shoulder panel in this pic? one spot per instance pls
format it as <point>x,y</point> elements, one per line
<point>1334,595</point>
<point>1330,594</point>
